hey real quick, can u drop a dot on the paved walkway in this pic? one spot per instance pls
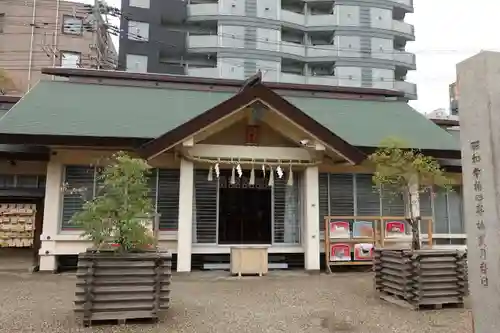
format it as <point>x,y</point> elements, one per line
<point>289,302</point>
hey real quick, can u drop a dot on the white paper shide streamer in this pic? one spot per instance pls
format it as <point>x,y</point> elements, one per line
<point>251,181</point>
<point>210,177</point>
<point>271,177</point>
<point>290,177</point>
<point>232,181</point>
<point>217,170</point>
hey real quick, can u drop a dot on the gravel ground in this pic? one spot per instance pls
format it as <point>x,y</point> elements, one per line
<point>211,302</point>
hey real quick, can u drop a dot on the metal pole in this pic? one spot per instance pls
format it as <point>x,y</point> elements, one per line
<point>32,40</point>
<point>95,31</point>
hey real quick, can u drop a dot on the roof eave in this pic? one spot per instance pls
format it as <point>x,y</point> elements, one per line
<point>71,140</point>
<point>246,96</point>
<point>183,79</point>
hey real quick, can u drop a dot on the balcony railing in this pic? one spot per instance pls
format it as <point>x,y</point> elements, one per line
<point>292,17</point>
<point>403,27</point>
<point>323,80</point>
<point>404,2</point>
<point>407,87</point>
<point>321,20</point>
<point>322,51</point>
<point>302,79</point>
<point>202,41</point>
<point>308,20</point>
<point>204,9</point>
<point>404,57</point>
<point>211,72</point>
<point>292,78</point>
<point>293,48</point>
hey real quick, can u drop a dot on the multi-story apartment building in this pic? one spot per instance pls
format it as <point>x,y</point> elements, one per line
<point>45,33</point>
<point>355,43</point>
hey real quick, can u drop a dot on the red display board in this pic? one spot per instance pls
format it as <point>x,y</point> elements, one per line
<point>363,251</point>
<point>395,229</point>
<point>340,252</point>
<point>339,229</point>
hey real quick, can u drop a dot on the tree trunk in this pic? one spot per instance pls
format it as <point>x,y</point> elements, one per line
<point>415,233</point>
<point>414,218</point>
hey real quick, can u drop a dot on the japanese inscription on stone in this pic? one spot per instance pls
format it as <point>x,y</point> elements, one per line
<point>475,147</point>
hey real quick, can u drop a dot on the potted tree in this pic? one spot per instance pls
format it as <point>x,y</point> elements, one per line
<point>124,275</point>
<point>415,276</point>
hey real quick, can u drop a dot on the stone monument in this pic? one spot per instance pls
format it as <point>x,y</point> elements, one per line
<point>479,111</point>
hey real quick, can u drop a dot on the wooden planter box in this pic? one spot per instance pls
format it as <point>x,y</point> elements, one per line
<point>113,286</point>
<point>420,278</point>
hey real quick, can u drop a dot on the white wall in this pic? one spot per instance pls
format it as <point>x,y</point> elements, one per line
<point>270,70</point>
<point>268,39</point>
<point>268,9</point>
<point>231,36</point>
<point>348,46</point>
<point>383,78</point>
<point>347,15</point>
<point>343,73</point>
<point>231,68</point>
<point>232,7</point>
<point>382,48</point>
<point>381,18</point>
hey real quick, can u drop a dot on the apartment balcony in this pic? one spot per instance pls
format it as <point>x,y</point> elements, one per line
<point>408,3</point>
<point>322,51</point>
<point>293,48</point>
<point>321,20</point>
<point>292,17</point>
<point>308,20</point>
<point>203,72</point>
<point>403,27</point>
<point>292,78</point>
<point>315,80</point>
<point>204,41</point>
<point>405,58</point>
<point>323,80</point>
<point>410,89</point>
<point>205,9</point>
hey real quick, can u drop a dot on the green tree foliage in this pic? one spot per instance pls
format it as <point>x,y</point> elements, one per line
<point>116,215</point>
<point>403,171</point>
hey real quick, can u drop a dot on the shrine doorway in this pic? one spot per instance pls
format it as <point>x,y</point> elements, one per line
<point>245,212</point>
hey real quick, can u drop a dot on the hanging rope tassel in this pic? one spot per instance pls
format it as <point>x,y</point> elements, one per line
<point>210,177</point>
<point>271,177</point>
<point>290,177</point>
<point>239,171</point>
<point>251,181</point>
<point>279,172</point>
<point>233,176</point>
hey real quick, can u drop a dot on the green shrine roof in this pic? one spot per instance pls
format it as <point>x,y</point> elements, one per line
<point>64,108</point>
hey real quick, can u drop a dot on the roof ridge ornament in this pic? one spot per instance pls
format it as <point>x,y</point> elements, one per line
<point>252,81</point>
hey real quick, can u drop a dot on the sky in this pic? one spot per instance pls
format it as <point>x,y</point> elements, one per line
<point>447,32</point>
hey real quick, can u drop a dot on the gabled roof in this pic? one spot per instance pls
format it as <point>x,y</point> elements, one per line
<point>246,96</point>
<point>71,113</point>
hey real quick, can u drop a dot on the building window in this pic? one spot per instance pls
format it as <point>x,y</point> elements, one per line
<point>139,3</point>
<point>2,22</point>
<point>70,59</point>
<point>354,195</point>
<point>163,192</point>
<point>72,25</point>
<point>137,63</point>
<point>138,31</point>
